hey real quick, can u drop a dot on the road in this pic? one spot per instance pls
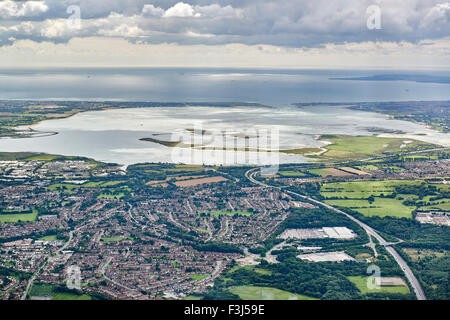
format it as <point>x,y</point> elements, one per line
<point>369,230</point>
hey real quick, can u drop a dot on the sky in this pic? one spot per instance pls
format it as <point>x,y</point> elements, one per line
<point>367,34</point>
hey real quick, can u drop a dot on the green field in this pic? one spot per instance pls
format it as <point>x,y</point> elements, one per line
<point>199,276</point>
<point>41,290</point>
<point>16,217</point>
<point>227,213</point>
<point>93,184</point>
<point>291,173</point>
<point>358,147</point>
<point>112,183</point>
<point>69,188</point>
<point>266,293</point>
<point>319,172</point>
<point>354,195</point>
<point>116,239</point>
<point>193,298</point>
<point>70,296</point>
<point>48,290</point>
<point>421,157</point>
<point>444,206</point>
<point>252,268</point>
<point>381,207</point>
<point>48,238</point>
<point>361,283</point>
<point>369,167</point>
<point>363,189</point>
<point>43,157</point>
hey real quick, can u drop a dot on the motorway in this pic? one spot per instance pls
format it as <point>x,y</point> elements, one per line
<point>250,174</point>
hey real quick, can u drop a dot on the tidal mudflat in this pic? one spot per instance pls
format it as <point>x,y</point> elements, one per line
<point>116,135</point>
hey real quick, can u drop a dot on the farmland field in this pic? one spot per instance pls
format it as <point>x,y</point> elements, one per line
<point>361,284</point>
<point>381,207</point>
<point>266,293</point>
<point>363,189</point>
<point>355,195</point>
<point>195,182</point>
<point>291,174</point>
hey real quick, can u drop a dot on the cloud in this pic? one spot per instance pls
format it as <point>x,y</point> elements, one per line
<point>287,23</point>
<point>96,51</point>
<point>151,10</point>
<point>181,10</point>
<point>123,30</point>
<point>11,9</point>
<point>437,17</point>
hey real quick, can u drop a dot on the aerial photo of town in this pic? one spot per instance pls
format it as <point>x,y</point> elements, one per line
<point>165,150</point>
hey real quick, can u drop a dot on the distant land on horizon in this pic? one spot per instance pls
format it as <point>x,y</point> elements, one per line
<point>401,77</point>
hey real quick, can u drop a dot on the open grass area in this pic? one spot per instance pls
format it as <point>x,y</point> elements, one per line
<point>10,156</point>
<point>116,239</point>
<point>363,189</point>
<point>227,213</point>
<point>319,172</point>
<point>199,276</point>
<point>48,290</point>
<point>381,207</point>
<point>266,293</point>
<point>359,147</point>
<point>48,238</point>
<point>94,184</point>
<point>185,169</point>
<point>252,268</point>
<point>193,297</point>
<point>290,173</point>
<point>443,205</point>
<point>361,283</point>
<point>16,217</point>
<point>112,183</point>
<point>43,157</point>
<point>369,167</point>
<point>41,290</point>
<point>354,195</point>
<point>70,296</point>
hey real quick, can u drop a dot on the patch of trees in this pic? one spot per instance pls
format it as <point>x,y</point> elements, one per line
<point>411,231</point>
<point>14,273</point>
<point>218,247</point>
<point>433,273</point>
